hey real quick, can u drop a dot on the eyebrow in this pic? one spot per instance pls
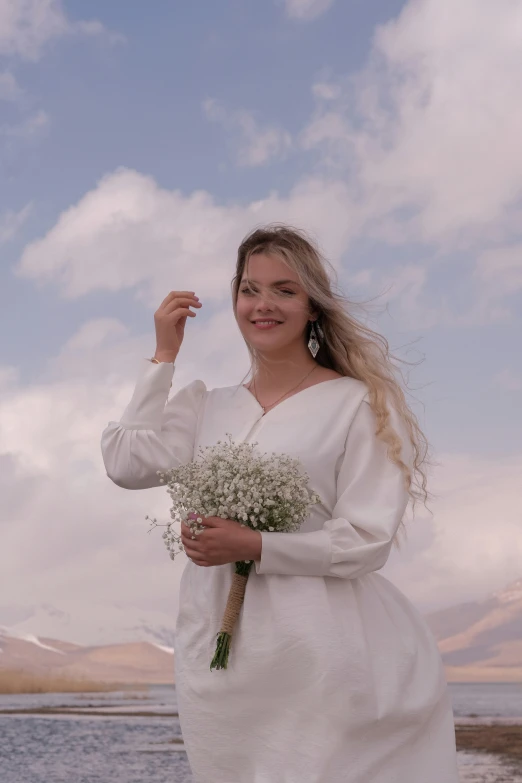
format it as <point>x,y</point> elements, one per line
<point>277,282</point>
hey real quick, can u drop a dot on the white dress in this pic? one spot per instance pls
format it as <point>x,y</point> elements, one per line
<point>334,676</point>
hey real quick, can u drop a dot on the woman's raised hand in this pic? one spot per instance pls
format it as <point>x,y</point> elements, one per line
<point>170,319</point>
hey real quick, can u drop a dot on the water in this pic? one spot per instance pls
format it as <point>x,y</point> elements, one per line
<point>135,737</point>
<point>489,701</point>
<point>482,703</point>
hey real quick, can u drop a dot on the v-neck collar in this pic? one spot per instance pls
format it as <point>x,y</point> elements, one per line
<point>296,394</point>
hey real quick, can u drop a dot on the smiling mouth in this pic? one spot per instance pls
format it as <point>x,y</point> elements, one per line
<point>266,321</point>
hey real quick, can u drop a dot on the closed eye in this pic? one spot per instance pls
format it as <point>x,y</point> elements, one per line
<point>281,291</point>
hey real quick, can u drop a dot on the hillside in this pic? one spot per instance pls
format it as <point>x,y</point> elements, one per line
<point>479,642</point>
<point>482,641</point>
<point>130,662</point>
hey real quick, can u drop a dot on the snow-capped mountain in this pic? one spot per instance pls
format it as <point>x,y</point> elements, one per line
<point>89,624</point>
<point>512,592</point>
<point>133,662</point>
<point>482,640</point>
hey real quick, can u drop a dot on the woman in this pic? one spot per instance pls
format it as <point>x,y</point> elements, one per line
<point>334,676</point>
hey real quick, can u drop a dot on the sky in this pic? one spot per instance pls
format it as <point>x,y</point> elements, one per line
<point>138,146</point>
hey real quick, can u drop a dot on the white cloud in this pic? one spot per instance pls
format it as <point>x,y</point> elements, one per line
<point>129,233</point>
<point>74,533</point>
<point>254,143</point>
<point>473,544</point>
<point>429,131</point>
<point>27,26</point>
<point>11,222</point>
<point>67,530</point>
<point>306,10</point>
<point>421,146</point>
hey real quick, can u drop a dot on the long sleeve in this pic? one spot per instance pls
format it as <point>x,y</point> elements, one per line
<point>371,500</point>
<point>153,434</point>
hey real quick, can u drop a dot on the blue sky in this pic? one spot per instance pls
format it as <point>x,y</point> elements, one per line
<point>138,145</point>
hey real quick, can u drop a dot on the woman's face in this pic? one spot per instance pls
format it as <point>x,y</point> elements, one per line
<point>270,291</point>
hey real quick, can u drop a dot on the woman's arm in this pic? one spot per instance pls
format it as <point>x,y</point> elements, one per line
<point>152,435</point>
<point>371,500</point>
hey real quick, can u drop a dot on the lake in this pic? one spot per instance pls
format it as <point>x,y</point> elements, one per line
<point>135,737</point>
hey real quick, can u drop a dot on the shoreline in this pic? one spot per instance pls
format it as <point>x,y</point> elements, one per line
<point>95,712</point>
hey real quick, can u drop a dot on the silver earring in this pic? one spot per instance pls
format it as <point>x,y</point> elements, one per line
<point>313,342</point>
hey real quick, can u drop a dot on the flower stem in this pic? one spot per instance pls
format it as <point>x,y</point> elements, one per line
<point>220,659</point>
<point>235,600</point>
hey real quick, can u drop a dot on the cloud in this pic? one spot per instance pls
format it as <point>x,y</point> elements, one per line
<point>254,144</point>
<point>473,544</point>
<point>11,222</point>
<point>428,132</point>
<point>307,10</point>
<point>129,233</point>
<point>420,147</point>
<point>28,26</point>
<point>67,530</point>
<point>74,533</point>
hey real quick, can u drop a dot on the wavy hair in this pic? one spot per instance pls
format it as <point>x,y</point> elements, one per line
<point>349,347</point>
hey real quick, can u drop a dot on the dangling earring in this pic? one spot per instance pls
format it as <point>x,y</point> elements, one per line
<point>313,342</point>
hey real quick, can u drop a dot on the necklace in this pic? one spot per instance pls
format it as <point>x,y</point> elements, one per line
<point>264,407</point>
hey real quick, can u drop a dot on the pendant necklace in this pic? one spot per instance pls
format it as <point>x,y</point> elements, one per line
<point>263,407</point>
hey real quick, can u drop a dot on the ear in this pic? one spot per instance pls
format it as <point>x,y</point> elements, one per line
<point>313,312</point>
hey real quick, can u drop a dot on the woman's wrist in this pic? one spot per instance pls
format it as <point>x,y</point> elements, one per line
<point>163,356</point>
<point>256,545</point>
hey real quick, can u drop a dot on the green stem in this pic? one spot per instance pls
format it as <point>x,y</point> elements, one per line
<point>220,659</point>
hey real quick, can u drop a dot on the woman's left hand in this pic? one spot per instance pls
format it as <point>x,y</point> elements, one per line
<point>222,541</point>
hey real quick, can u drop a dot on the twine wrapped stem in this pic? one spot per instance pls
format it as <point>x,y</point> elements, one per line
<point>235,600</point>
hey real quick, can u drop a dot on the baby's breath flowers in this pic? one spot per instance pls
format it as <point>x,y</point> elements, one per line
<point>230,480</point>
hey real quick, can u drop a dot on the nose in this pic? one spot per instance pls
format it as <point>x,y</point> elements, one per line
<point>265,301</point>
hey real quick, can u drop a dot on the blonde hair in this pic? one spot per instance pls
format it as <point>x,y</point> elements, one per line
<point>348,347</point>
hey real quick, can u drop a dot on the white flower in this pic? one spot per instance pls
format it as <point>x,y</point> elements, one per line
<point>231,480</point>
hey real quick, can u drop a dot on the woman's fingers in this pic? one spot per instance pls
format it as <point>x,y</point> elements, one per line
<point>173,294</point>
<point>179,301</point>
<point>192,546</point>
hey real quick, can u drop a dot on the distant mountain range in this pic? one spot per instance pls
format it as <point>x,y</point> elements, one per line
<point>478,641</point>
<point>131,662</point>
<point>482,641</point>
<point>89,623</point>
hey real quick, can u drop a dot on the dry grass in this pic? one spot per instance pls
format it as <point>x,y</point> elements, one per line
<point>506,740</point>
<point>18,681</point>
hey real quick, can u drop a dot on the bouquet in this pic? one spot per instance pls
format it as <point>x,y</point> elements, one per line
<point>229,480</point>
